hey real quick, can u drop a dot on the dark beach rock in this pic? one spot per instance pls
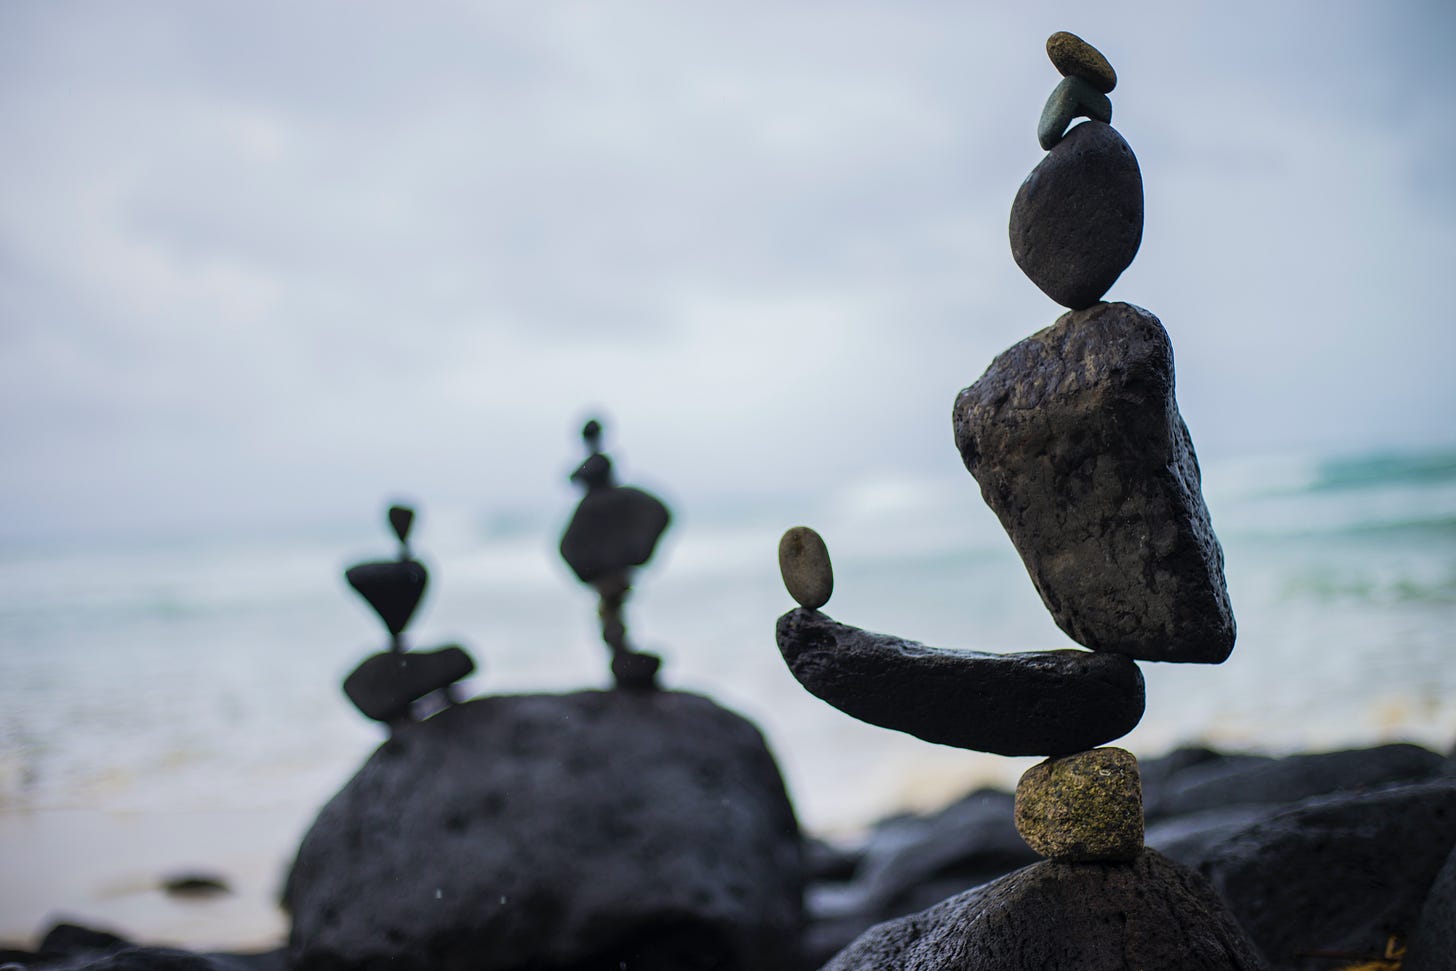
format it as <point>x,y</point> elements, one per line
<point>139,959</point>
<point>1039,703</point>
<point>555,831</point>
<point>804,565</point>
<point>195,885</point>
<point>909,863</point>
<point>635,670</point>
<point>385,685</point>
<point>1075,438</point>
<point>392,587</point>
<point>401,518</point>
<point>1072,98</point>
<point>1164,770</point>
<point>1082,808</point>
<point>65,939</point>
<point>1192,838</point>
<point>1077,220</point>
<point>1433,945</point>
<point>1075,58</point>
<point>1262,780</point>
<point>1336,874</point>
<point>1150,913</point>
<point>613,528</point>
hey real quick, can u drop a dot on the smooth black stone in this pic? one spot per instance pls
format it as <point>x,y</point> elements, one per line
<point>1433,945</point>
<point>392,587</point>
<point>556,831</point>
<point>1150,913</point>
<point>614,528</point>
<point>1336,873</point>
<point>385,685</point>
<point>635,670</point>
<point>1040,703</point>
<point>1230,782</point>
<point>1077,220</point>
<point>401,518</point>
<point>1075,438</point>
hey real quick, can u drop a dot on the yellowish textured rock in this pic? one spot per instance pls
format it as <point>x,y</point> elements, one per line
<point>1082,808</point>
<point>1075,58</point>
<point>804,564</point>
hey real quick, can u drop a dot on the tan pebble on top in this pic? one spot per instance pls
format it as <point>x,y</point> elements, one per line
<point>1074,57</point>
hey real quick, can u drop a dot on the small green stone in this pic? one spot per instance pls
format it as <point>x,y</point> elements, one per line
<point>1071,98</point>
<point>1075,58</point>
<point>804,564</point>
<point>1082,808</point>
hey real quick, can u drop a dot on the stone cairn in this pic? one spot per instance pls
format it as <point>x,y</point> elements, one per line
<point>399,685</point>
<point>614,530</point>
<point>1076,441</point>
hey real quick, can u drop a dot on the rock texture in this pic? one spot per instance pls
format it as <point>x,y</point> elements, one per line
<point>1337,873</point>
<point>1433,945</point>
<point>1040,703</point>
<point>1150,913</point>
<point>1075,438</point>
<point>1077,220</point>
<point>555,831</point>
<point>1082,808</point>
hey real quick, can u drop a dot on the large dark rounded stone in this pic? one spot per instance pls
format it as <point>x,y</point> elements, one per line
<point>555,831</point>
<point>1075,438</point>
<point>1036,703</point>
<point>613,528</point>
<point>1078,218</point>
<point>1150,913</point>
<point>1433,945</point>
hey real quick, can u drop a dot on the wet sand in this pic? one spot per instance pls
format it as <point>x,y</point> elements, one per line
<point>105,870</point>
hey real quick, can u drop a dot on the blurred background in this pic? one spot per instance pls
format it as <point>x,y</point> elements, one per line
<point>265,268</point>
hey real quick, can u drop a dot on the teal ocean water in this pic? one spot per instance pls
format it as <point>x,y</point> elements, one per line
<point>203,674</point>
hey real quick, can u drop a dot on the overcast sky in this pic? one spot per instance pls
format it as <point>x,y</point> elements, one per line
<point>275,261</point>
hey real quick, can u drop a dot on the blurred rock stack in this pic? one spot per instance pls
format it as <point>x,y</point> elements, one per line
<point>398,685</point>
<point>1075,439</point>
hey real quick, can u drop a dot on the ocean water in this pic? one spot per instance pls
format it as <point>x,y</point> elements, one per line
<point>202,675</point>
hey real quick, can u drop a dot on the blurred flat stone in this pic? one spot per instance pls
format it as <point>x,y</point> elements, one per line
<point>1150,913</point>
<point>804,565</point>
<point>386,684</point>
<point>1072,98</point>
<point>1082,808</point>
<point>392,587</point>
<point>1075,438</point>
<point>1075,58</point>
<point>1042,703</point>
<point>1077,220</point>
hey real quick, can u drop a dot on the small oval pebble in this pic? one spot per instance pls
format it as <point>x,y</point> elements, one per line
<point>1075,58</point>
<point>1072,98</point>
<point>804,564</point>
<point>1082,808</point>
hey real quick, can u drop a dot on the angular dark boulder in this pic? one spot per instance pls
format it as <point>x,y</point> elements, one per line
<point>1336,874</point>
<point>1077,220</point>
<point>1150,913</point>
<point>392,587</point>
<point>613,528</point>
<point>555,831</point>
<point>1075,438</point>
<point>1035,703</point>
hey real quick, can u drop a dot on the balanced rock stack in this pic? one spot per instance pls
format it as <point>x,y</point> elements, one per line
<point>1075,439</point>
<point>613,531</point>
<point>399,685</point>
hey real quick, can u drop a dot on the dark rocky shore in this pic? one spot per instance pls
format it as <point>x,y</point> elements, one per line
<point>1323,860</point>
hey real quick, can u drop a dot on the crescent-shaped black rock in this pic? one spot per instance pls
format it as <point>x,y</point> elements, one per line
<point>1036,703</point>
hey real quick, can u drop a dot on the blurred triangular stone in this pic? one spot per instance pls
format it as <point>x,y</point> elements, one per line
<point>401,518</point>
<point>392,587</point>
